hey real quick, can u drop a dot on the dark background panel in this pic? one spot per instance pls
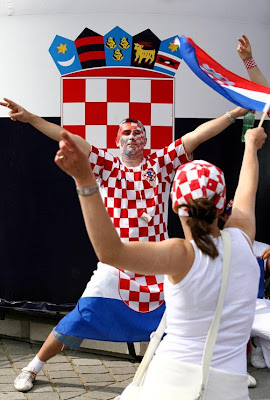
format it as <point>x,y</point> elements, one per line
<point>45,253</point>
<point>46,258</point>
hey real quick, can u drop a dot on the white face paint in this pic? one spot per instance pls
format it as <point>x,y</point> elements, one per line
<point>131,139</point>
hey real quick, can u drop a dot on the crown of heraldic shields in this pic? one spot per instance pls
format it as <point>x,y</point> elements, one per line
<point>114,49</point>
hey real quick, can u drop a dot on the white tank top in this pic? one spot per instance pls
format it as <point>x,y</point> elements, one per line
<point>192,302</point>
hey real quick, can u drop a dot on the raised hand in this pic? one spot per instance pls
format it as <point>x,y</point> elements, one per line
<point>244,48</point>
<point>255,136</point>
<point>17,113</point>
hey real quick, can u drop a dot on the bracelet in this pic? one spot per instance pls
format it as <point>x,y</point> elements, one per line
<point>250,63</point>
<point>87,191</point>
<point>230,118</point>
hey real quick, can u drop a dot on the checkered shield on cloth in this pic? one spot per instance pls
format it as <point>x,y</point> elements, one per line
<point>139,292</point>
<point>96,100</point>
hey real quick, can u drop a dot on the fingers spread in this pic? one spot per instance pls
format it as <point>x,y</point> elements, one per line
<point>10,102</point>
<point>245,39</point>
<point>241,41</point>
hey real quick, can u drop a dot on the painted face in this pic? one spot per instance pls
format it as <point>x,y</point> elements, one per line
<point>131,139</point>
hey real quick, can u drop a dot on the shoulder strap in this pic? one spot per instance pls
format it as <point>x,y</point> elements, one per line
<point>212,334</point>
<point>151,349</point>
<point>247,239</point>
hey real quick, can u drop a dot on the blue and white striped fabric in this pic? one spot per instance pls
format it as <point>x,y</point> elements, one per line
<point>101,314</point>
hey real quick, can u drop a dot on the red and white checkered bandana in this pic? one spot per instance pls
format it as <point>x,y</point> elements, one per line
<point>198,179</point>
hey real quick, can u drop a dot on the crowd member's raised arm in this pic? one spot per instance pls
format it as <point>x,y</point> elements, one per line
<point>53,131</point>
<point>245,53</point>
<point>210,129</point>
<point>243,210</point>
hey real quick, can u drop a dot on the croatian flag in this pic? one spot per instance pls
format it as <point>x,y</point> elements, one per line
<point>240,91</point>
<point>116,306</point>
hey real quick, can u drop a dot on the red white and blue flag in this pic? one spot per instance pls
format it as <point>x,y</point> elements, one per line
<point>236,89</point>
<point>116,306</point>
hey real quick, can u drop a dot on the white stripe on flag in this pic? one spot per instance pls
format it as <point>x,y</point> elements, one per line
<point>104,283</point>
<point>267,106</point>
<point>258,96</point>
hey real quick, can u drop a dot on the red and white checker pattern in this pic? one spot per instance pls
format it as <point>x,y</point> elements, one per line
<point>250,63</point>
<point>92,107</point>
<point>139,292</point>
<point>198,179</point>
<point>126,193</point>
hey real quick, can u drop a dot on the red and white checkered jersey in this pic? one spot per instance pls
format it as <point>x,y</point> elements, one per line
<point>128,192</point>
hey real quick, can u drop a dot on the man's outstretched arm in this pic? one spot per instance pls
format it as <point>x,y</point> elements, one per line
<point>210,129</point>
<point>53,131</point>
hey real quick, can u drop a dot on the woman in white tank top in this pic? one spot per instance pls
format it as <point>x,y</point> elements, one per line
<point>192,266</point>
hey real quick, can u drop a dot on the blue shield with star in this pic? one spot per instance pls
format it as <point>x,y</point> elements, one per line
<point>64,54</point>
<point>168,57</point>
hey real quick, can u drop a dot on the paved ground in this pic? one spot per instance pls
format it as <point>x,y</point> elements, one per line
<point>80,375</point>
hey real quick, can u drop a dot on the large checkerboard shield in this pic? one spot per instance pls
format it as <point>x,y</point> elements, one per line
<point>95,101</point>
<point>139,292</point>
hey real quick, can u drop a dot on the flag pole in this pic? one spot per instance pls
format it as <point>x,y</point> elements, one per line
<point>265,111</point>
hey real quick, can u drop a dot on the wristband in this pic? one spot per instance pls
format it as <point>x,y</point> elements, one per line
<point>250,63</point>
<point>87,191</point>
<point>230,118</point>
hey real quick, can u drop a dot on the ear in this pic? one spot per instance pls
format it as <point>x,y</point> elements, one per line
<point>145,141</point>
<point>117,141</point>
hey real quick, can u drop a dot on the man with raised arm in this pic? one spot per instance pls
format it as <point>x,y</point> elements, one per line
<point>135,192</point>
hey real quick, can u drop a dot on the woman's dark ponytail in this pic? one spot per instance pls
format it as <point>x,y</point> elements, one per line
<point>203,213</point>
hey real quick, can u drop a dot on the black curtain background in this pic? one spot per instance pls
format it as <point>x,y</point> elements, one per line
<point>46,258</point>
